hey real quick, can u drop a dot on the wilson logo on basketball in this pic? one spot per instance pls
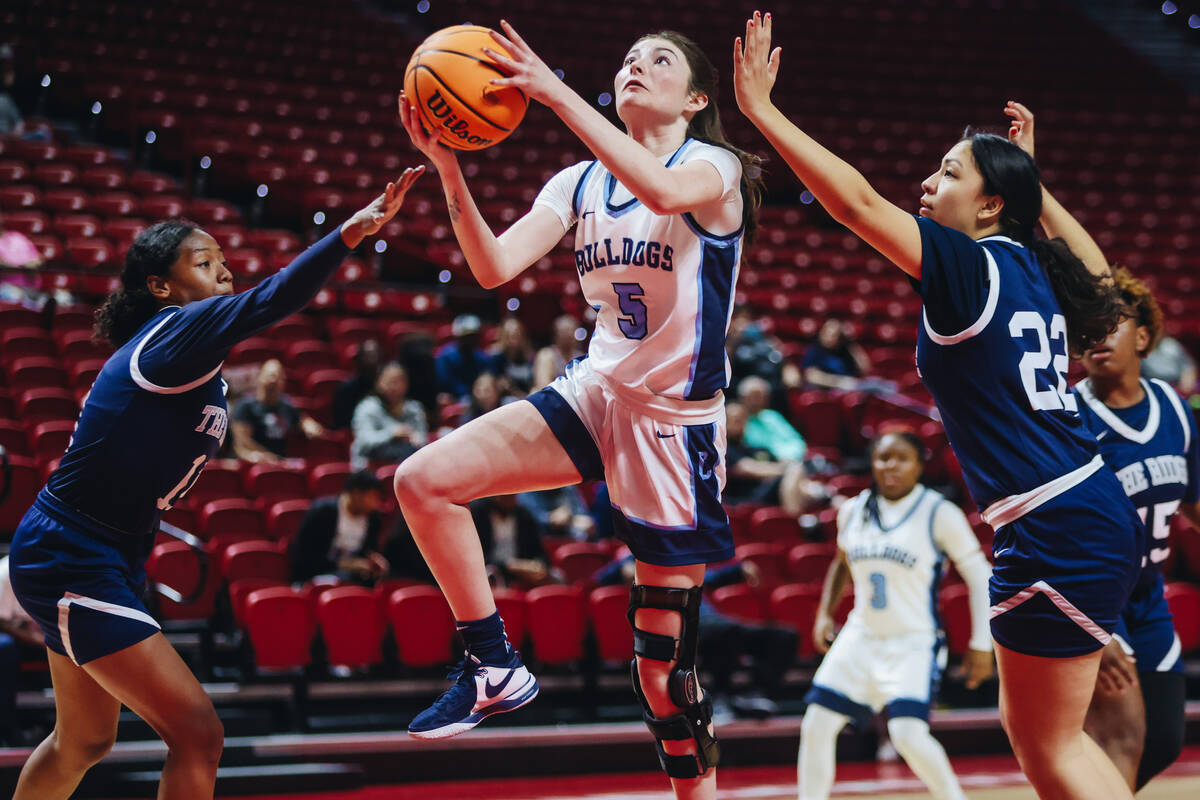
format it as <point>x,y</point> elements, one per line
<point>451,124</point>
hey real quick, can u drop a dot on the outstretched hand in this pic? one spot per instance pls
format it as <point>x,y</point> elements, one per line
<point>369,220</point>
<point>425,141</point>
<point>526,70</point>
<point>1020,130</point>
<point>755,65</point>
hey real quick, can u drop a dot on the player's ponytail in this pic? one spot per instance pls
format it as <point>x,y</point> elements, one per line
<point>706,126</point>
<point>152,253</point>
<point>1089,302</point>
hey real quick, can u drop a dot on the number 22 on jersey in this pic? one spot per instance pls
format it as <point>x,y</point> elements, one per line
<point>1047,364</point>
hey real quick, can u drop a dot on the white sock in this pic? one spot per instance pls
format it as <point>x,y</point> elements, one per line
<point>818,751</point>
<point>925,756</point>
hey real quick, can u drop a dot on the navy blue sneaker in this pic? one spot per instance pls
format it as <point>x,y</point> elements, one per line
<point>479,691</point>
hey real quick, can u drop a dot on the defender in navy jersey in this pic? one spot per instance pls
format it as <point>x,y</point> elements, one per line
<point>1001,312</point>
<point>1148,437</point>
<point>659,218</point>
<point>154,416</point>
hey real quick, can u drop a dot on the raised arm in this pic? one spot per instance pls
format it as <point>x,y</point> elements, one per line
<point>661,189</point>
<point>1055,219</point>
<point>839,187</point>
<point>493,260</point>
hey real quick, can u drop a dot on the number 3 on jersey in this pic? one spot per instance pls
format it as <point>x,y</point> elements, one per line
<point>629,299</point>
<point>1049,361</point>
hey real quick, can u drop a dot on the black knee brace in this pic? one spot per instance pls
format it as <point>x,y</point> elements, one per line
<point>683,685</point>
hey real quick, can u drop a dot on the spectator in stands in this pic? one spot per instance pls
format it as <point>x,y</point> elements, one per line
<point>753,352</point>
<point>513,358</point>
<point>11,121</point>
<point>460,362</point>
<point>388,426</point>
<point>512,542</point>
<point>725,641</point>
<point>349,393</point>
<point>754,475</point>
<point>487,393</point>
<point>403,556</point>
<point>414,352</point>
<point>560,512</point>
<point>261,423</point>
<point>340,535</point>
<point>1169,361</point>
<point>835,361</point>
<point>16,629</point>
<point>766,428</point>
<point>551,361</point>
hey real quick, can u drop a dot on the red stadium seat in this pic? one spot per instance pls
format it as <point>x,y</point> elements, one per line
<point>255,350</point>
<point>255,559</point>
<point>795,605</point>
<point>77,345</point>
<point>51,174</point>
<point>45,405</point>
<point>352,625</point>
<point>240,589</point>
<point>819,416</point>
<point>13,171</point>
<point>769,559</point>
<point>231,520</point>
<point>327,479</point>
<point>113,204</point>
<point>90,253</point>
<point>13,437</point>
<point>513,610</point>
<point>740,601</point>
<point>152,183</point>
<point>220,479</point>
<point>49,440</point>
<point>180,567</point>
<point>24,484</point>
<point>1184,601</point>
<point>23,342</point>
<point>773,524</point>
<point>956,617</point>
<point>158,207</point>
<point>579,561</point>
<point>212,211</point>
<point>328,448</point>
<point>281,626</point>
<point>422,625</point>
<point>276,481</point>
<point>83,373</point>
<point>556,623</point>
<point>284,517</point>
<point>102,178</point>
<point>607,608</point>
<point>19,196</point>
<point>808,563</point>
<point>273,241</point>
<point>29,223</point>
<point>64,201</point>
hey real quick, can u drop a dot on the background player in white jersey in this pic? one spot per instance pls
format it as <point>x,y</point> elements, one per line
<point>660,216</point>
<point>892,543</point>
<point>1001,309</point>
<point>1147,436</point>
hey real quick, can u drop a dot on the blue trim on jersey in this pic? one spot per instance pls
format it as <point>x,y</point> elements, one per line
<point>859,714</point>
<point>570,431</point>
<point>714,298</point>
<point>610,186</point>
<point>908,708</point>
<point>578,193</point>
<point>708,236</point>
<point>921,499</point>
<point>641,523</point>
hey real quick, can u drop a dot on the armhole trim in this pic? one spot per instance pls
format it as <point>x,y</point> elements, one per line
<point>989,308</point>
<point>143,382</point>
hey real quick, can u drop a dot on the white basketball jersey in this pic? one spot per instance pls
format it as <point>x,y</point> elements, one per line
<point>895,562</point>
<point>662,286</point>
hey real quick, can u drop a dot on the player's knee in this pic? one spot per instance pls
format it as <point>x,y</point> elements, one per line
<point>907,733</point>
<point>83,751</point>
<point>654,677</point>
<point>414,485</point>
<point>199,733</point>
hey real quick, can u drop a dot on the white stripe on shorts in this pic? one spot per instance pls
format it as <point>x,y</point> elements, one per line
<point>1064,605</point>
<point>70,598</point>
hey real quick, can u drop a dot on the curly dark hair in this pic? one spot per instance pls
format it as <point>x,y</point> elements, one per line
<point>1140,305</point>
<point>152,253</point>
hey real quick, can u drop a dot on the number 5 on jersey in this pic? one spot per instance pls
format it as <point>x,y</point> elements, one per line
<point>629,300</point>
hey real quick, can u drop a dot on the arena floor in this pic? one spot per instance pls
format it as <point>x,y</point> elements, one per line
<point>983,778</point>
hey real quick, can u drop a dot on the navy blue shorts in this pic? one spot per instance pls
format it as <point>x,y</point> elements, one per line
<point>664,479</point>
<point>1146,625</point>
<point>84,592</point>
<point>1064,572</point>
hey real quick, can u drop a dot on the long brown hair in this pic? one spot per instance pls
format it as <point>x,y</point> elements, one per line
<point>706,125</point>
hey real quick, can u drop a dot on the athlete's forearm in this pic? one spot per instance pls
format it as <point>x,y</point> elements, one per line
<point>836,578</point>
<point>479,244</point>
<point>1058,222</point>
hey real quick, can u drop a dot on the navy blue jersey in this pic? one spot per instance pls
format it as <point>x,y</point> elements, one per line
<point>992,350</point>
<point>156,412</point>
<point>1152,447</point>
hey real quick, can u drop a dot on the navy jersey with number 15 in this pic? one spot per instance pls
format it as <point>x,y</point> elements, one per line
<point>156,412</point>
<point>1152,447</point>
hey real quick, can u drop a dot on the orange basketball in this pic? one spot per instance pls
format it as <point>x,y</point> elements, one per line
<point>447,80</point>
